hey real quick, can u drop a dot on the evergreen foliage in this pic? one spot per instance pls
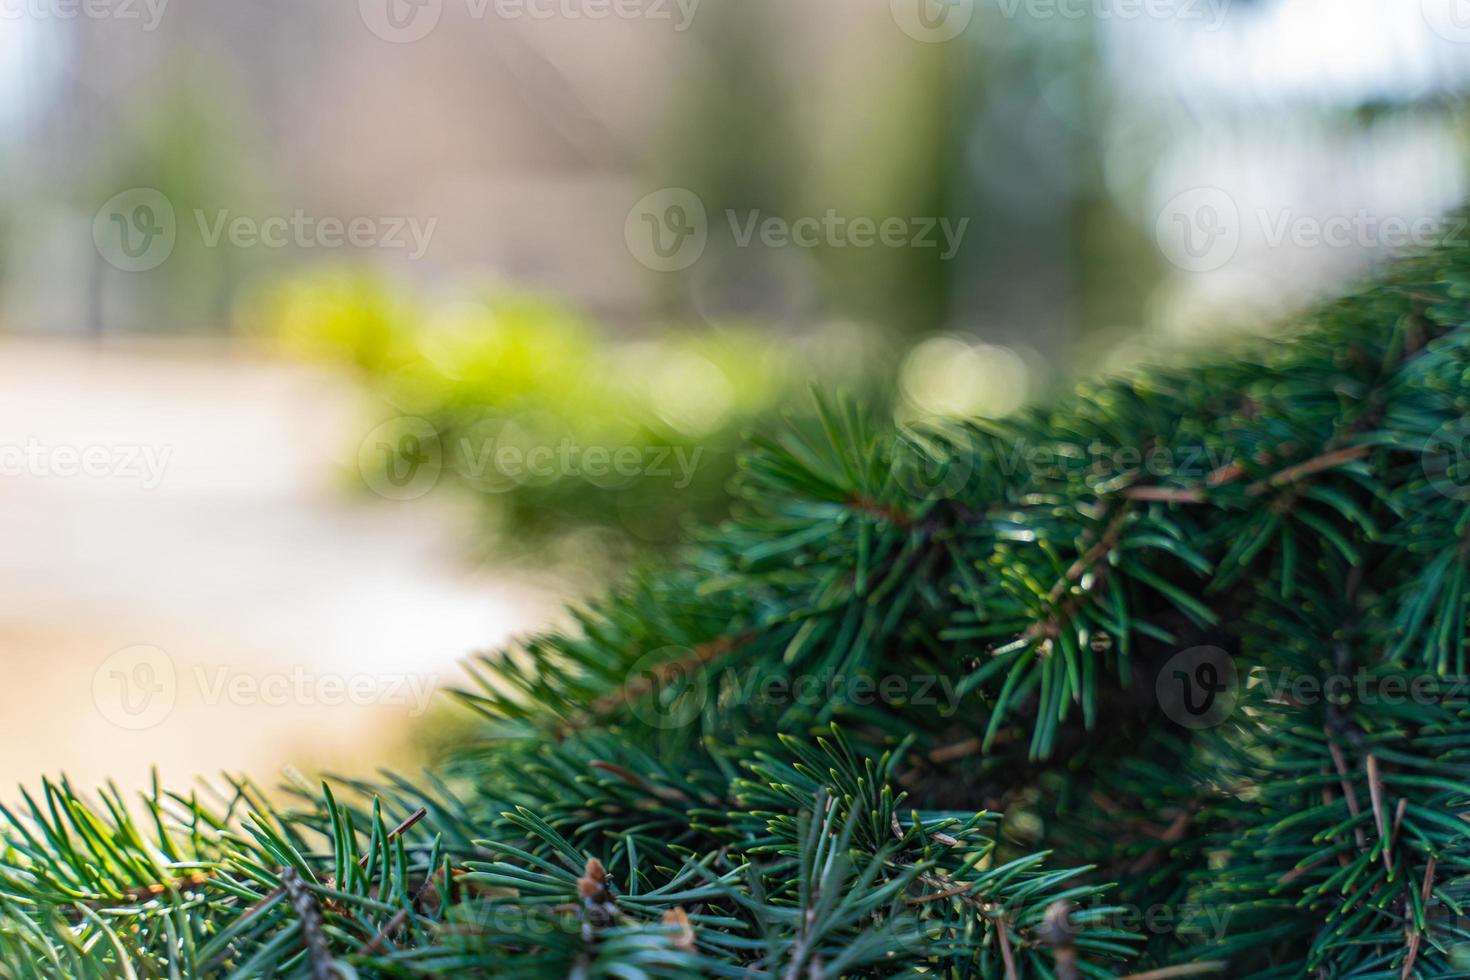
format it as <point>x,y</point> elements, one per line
<point>910,711</point>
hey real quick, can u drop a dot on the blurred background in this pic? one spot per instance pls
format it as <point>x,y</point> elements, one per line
<point>340,340</point>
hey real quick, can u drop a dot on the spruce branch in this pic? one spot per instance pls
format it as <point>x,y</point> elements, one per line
<point>984,776</point>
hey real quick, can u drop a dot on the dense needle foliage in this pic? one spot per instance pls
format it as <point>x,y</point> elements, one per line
<point>1164,680</point>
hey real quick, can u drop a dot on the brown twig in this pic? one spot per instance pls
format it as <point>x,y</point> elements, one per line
<point>1375,797</point>
<point>1326,461</point>
<point>955,750</point>
<point>935,835</point>
<point>1002,930</point>
<point>949,892</point>
<point>1171,834</point>
<point>309,913</point>
<point>1183,970</point>
<point>699,657</point>
<point>1231,472</point>
<point>1296,873</point>
<point>1057,932</point>
<point>1091,556</point>
<point>142,893</point>
<point>1168,495</point>
<point>378,943</point>
<point>670,793</point>
<point>380,938</point>
<point>1347,789</point>
<point>867,505</point>
<point>1086,562</point>
<point>1412,936</point>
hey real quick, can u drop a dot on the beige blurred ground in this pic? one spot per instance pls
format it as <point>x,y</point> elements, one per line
<point>267,615</point>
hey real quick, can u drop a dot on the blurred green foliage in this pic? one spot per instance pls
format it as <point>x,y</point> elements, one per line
<point>556,422</point>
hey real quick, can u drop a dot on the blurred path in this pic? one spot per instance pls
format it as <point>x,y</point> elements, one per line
<point>186,580</point>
